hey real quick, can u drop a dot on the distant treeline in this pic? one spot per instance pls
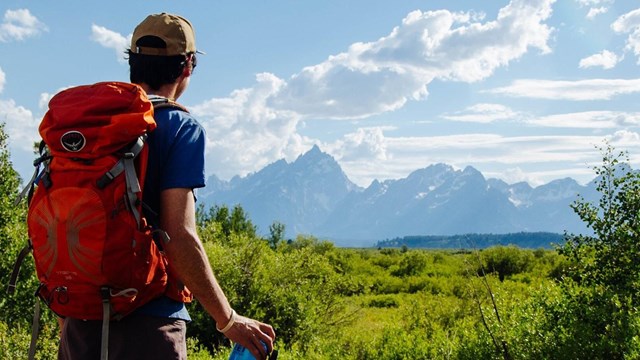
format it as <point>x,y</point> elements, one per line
<point>531,240</point>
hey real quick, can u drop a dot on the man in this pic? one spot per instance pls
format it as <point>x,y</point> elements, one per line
<point>162,59</point>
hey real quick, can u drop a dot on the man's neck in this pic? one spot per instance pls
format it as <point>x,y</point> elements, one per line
<point>167,91</point>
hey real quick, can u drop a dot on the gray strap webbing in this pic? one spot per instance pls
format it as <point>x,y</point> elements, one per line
<point>133,187</point>
<point>106,318</point>
<point>27,187</point>
<point>35,330</point>
<point>126,165</point>
<point>119,167</point>
<point>16,267</point>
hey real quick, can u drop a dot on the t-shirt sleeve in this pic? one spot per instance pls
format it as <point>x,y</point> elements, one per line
<point>184,163</point>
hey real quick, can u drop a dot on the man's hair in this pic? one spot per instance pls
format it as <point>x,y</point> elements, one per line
<point>154,70</point>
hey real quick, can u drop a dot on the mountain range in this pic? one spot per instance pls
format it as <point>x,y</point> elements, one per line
<point>312,195</point>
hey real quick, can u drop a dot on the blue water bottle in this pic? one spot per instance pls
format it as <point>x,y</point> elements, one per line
<point>239,352</point>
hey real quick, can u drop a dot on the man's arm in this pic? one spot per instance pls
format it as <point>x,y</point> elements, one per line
<point>189,260</point>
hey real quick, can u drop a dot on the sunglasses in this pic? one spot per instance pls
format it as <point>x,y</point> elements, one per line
<point>190,57</point>
<point>194,61</point>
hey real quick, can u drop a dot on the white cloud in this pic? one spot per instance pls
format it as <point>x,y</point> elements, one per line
<point>21,125</point>
<point>624,139</point>
<point>595,4</point>
<point>629,23</point>
<point>605,59</point>
<point>592,2</point>
<point>593,12</point>
<point>516,175</point>
<point>44,100</point>
<point>580,90</point>
<point>111,39</point>
<point>375,77</point>
<point>365,144</point>
<point>484,113</point>
<point>589,120</point>
<point>245,134</point>
<point>19,25</point>
<point>3,79</point>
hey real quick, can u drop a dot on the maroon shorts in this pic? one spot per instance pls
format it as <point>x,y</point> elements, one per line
<point>138,337</point>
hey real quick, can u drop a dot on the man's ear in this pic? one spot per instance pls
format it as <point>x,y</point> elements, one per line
<point>187,71</point>
<point>188,68</point>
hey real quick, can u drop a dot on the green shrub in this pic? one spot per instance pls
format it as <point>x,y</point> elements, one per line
<point>506,261</point>
<point>383,302</point>
<point>412,263</point>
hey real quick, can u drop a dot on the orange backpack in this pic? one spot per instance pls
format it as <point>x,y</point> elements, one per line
<point>95,254</point>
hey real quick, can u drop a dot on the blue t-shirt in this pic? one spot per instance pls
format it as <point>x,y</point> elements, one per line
<point>176,160</point>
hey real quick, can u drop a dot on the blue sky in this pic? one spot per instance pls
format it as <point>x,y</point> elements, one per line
<point>522,90</point>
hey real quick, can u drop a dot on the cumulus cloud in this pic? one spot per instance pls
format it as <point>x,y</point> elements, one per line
<point>624,139</point>
<point>244,134</point>
<point>596,7</point>
<point>580,90</point>
<point>111,40</point>
<point>484,113</point>
<point>368,144</point>
<point>43,102</point>
<point>21,125</point>
<point>605,59</point>
<point>19,25</point>
<point>375,77</point>
<point>593,12</point>
<point>629,23</point>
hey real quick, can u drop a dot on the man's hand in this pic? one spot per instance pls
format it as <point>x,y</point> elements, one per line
<point>251,334</point>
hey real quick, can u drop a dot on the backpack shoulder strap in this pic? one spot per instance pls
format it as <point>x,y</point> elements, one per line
<point>164,103</point>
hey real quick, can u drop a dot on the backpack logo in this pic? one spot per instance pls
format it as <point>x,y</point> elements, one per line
<point>73,141</point>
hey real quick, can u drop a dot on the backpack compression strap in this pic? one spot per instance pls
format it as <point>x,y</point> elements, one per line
<point>126,164</point>
<point>16,267</point>
<point>45,156</point>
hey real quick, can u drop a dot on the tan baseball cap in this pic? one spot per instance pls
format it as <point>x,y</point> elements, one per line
<point>176,31</point>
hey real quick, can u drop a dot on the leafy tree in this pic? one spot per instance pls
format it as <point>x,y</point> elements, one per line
<point>235,221</point>
<point>222,217</point>
<point>240,222</point>
<point>602,288</point>
<point>609,257</point>
<point>276,234</point>
<point>16,310</point>
<point>12,239</point>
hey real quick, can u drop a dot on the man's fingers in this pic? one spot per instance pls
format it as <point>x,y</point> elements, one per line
<point>268,329</point>
<point>268,341</point>
<point>258,349</point>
